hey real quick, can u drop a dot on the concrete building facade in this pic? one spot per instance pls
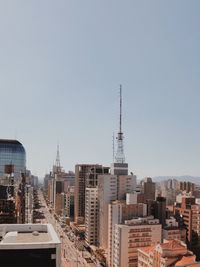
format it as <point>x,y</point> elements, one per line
<point>149,189</point>
<point>110,188</point>
<point>29,245</point>
<point>131,236</point>
<point>91,215</point>
<point>118,212</point>
<point>173,231</point>
<point>81,173</point>
<point>190,214</point>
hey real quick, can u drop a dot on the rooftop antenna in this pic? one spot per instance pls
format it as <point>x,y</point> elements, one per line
<point>120,158</point>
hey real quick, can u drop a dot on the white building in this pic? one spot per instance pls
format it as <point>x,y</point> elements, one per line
<point>29,245</point>
<point>91,215</point>
<point>132,198</point>
<point>134,234</point>
<point>118,212</point>
<point>110,188</point>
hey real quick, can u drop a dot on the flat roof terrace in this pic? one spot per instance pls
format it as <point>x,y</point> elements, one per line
<point>13,235</point>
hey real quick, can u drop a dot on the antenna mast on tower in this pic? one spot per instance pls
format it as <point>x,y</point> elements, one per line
<point>120,158</point>
<point>113,146</point>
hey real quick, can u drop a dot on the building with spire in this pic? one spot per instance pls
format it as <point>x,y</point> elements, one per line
<point>57,169</point>
<point>119,166</point>
<point>113,186</point>
<point>58,185</point>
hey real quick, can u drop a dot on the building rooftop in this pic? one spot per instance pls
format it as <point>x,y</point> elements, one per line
<point>147,249</point>
<point>141,221</point>
<point>9,141</point>
<point>34,237</point>
<point>12,235</point>
<point>187,260</point>
<point>177,253</point>
<point>173,244</point>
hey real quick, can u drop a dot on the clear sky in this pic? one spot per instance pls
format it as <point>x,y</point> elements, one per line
<point>61,63</point>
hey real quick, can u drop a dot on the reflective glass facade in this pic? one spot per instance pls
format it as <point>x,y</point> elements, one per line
<point>12,152</point>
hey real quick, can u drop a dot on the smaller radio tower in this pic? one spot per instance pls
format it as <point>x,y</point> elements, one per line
<point>120,158</point>
<point>58,167</point>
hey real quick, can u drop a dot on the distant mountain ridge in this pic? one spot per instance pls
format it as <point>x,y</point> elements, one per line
<point>187,178</point>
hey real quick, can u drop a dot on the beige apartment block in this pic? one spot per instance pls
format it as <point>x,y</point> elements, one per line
<point>119,211</point>
<point>134,234</point>
<point>190,213</point>
<point>110,188</point>
<point>91,215</point>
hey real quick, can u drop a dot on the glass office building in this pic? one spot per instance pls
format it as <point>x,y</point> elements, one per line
<point>12,152</point>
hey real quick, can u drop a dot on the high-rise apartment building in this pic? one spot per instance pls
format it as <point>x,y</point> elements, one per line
<point>131,236</point>
<point>7,204</point>
<point>83,175</point>
<point>110,188</point>
<point>119,211</point>
<point>92,175</point>
<point>187,186</point>
<point>149,189</point>
<point>91,215</point>
<point>13,153</point>
<point>69,202</point>
<point>189,212</point>
<point>91,203</point>
<point>160,210</point>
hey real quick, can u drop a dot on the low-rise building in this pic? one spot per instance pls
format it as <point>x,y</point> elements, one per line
<point>29,245</point>
<point>172,231</point>
<point>171,253</point>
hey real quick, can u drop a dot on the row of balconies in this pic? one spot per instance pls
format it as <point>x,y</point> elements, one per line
<point>140,230</point>
<point>140,235</point>
<point>137,245</point>
<point>139,239</point>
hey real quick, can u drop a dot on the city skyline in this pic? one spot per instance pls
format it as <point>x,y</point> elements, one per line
<point>61,67</point>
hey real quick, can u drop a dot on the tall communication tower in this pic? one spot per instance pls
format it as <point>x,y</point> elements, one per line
<point>120,157</point>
